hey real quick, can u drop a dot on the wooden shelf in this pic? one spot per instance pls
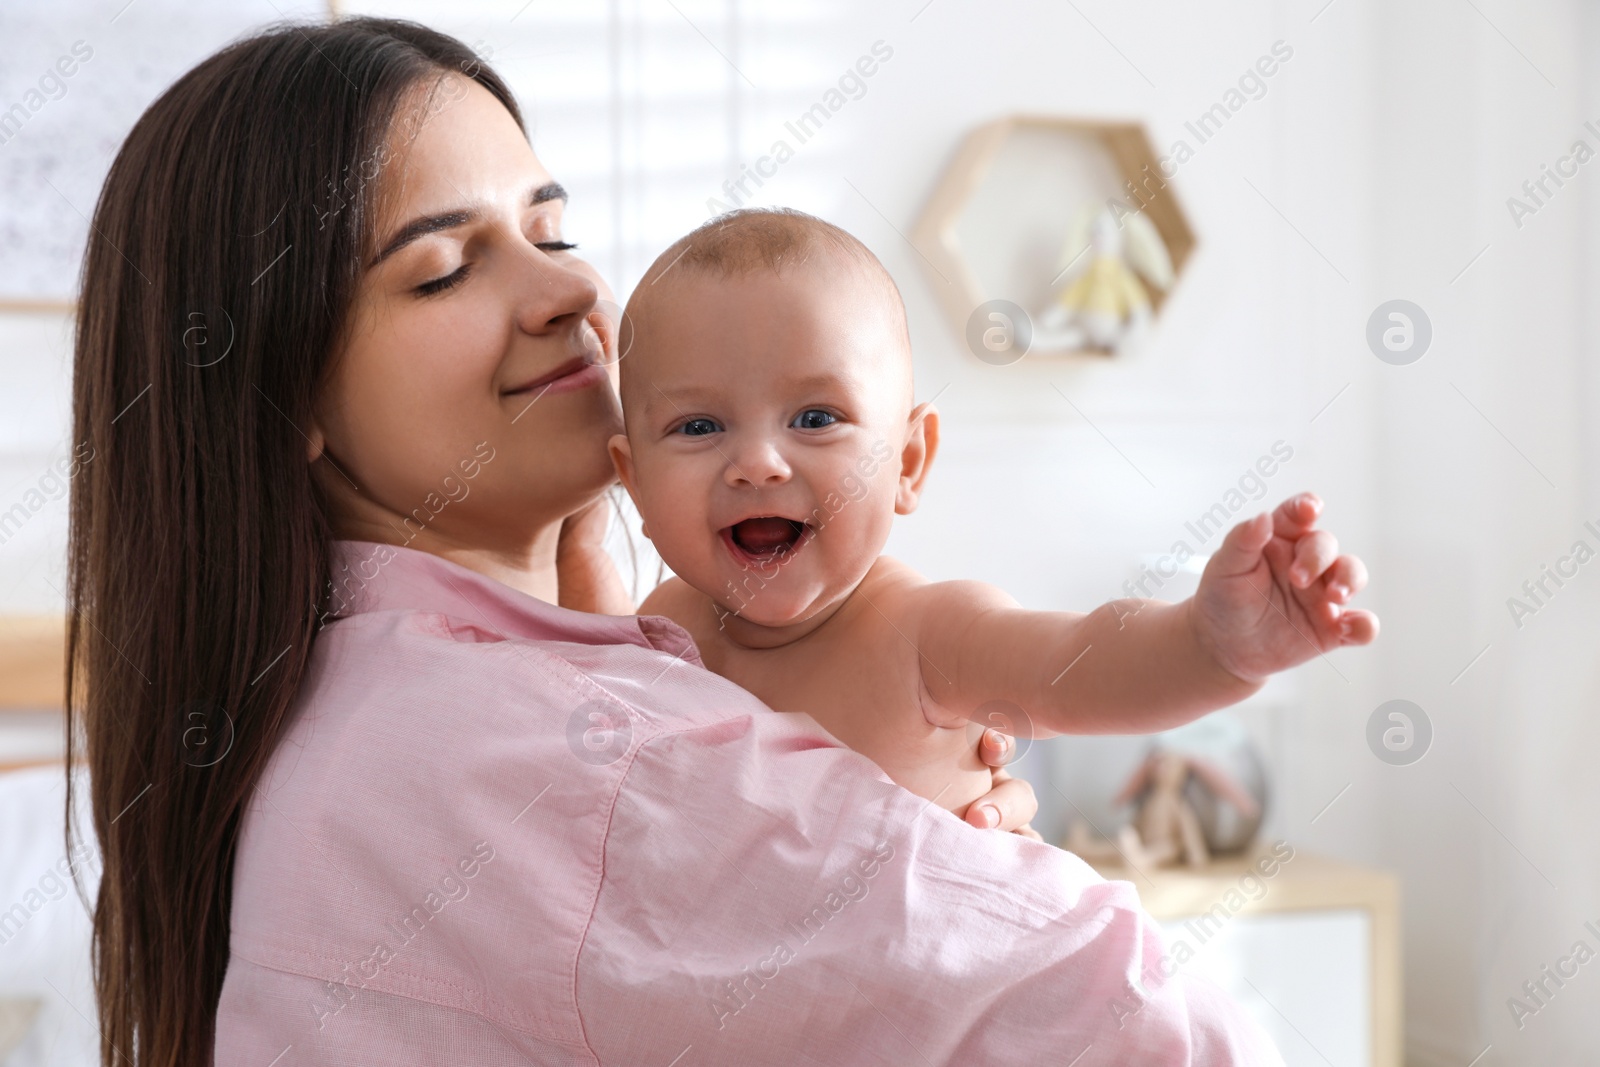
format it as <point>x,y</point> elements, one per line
<point>33,656</point>
<point>29,764</point>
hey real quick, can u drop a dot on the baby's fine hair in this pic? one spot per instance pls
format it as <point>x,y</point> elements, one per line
<point>741,242</point>
<point>750,239</point>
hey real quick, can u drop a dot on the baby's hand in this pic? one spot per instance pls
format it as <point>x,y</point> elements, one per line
<point>1274,594</point>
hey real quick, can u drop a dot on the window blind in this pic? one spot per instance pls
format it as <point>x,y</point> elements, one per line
<point>649,111</point>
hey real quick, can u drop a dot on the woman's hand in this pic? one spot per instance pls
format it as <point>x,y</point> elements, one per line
<point>586,576</point>
<point>1010,805</point>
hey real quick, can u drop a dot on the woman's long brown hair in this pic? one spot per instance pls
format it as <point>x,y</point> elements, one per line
<point>224,252</point>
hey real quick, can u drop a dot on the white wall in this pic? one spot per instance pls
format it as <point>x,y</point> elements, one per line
<point>35,430</point>
<point>1494,834</point>
<point>1389,144</point>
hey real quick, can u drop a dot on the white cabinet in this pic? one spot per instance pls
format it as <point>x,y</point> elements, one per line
<point>1311,951</point>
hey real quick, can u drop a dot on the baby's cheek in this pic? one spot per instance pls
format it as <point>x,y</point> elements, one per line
<point>859,529</point>
<point>677,523</point>
<point>681,542</point>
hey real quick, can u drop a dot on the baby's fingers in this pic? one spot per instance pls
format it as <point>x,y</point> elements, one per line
<point>1313,554</point>
<point>1358,627</point>
<point>1296,516</point>
<point>1346,578</point>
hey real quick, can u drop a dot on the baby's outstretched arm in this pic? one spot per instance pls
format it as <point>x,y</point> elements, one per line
<point>1271,597</point>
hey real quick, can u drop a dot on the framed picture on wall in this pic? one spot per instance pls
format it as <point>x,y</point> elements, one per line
<point>78,75</point>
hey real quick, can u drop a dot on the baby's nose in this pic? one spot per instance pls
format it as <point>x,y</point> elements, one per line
<point>758,463</point>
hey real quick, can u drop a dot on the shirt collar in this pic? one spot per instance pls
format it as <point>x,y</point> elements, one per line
<point>368,577</point>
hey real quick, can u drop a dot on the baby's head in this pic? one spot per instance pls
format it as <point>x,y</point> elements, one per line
<point>771,437</point>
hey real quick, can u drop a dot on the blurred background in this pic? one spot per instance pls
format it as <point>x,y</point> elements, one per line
<point>1425,151</point>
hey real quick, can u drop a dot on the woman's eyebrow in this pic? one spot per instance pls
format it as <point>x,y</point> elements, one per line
<point>426,224</point>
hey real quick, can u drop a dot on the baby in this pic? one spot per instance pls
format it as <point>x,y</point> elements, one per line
<point>771,439</point>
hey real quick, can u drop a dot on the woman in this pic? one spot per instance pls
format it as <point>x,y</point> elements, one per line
<point>364,793</point>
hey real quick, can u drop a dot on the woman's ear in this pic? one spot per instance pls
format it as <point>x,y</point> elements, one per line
<point>922,441</point>
<point>316,443</point>
<point>622,459</point>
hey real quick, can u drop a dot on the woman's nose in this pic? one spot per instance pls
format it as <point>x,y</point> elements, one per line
<point>555,297</point>
<point>756,463</point>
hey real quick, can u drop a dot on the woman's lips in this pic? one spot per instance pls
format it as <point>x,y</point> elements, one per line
<point>570,376</point>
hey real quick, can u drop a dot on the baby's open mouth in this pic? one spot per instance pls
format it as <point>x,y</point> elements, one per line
<point>763,539</point>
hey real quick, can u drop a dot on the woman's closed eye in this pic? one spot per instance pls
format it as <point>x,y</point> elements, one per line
<point>449,281</point>
<point>459,275</point>
<point>814,419</point>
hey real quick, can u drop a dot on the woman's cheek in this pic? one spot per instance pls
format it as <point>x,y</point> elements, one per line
<point>471,341</point>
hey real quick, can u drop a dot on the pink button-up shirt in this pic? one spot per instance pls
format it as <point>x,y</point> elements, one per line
<point>501,832</point>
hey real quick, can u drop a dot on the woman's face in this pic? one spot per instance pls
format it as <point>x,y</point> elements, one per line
<point>468,399</point>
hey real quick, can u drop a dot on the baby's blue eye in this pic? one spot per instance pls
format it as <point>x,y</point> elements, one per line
<point>813,419</point>
<point>698,428</point>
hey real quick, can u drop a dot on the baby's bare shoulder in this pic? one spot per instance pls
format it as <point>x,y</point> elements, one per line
<point>905,594</point>
<point>673,598</point>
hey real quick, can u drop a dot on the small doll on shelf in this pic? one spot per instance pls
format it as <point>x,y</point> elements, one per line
<point>1165,829</point>
<point>1104,302</point>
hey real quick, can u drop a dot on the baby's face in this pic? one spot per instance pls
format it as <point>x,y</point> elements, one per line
<point>766,417</point>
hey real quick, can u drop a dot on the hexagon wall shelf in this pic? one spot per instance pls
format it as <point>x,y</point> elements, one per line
<point>1017,194</point>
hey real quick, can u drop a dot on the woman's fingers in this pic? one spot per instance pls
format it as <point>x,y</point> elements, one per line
<point>587,526</point>
<point>995,748</point>
<point>1010,805</point>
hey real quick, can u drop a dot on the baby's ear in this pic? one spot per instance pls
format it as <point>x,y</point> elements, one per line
<point>622,459</point>
<point>916,456</point>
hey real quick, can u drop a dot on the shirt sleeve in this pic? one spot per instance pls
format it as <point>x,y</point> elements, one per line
<point>771,897</point>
